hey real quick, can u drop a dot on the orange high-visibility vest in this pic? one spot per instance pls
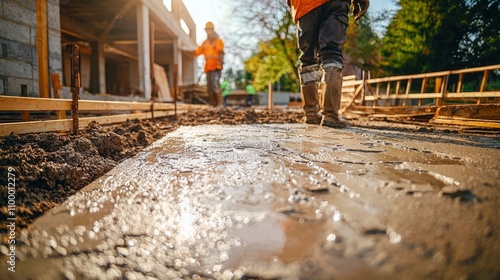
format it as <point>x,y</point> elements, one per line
<point>212,52</point>
<point>302,7</point>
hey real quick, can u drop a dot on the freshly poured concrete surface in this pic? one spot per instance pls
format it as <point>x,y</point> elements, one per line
<point>278,201</point>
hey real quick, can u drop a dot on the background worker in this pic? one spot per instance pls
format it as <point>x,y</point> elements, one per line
<point>250,92</point>
<point>321,34</point>
<point>226,91</point>
<point>213,51</point>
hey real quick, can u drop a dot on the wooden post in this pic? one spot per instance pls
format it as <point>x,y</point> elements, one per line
<point>42,48</point>
<point>483,84</point>
<point>270,100</point>
<point>408,90</point>
<point>25,115</point>
<point>56,87</point>
<point>154,91</point>
<point>422,90</point>
<point>75,84</point>
<point>176,87</point>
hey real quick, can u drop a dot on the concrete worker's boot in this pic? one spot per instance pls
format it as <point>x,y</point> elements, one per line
<point>331,89</point>
<point>309,78</point>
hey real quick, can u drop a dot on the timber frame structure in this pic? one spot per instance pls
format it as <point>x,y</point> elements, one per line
<point>124,44</point>
<point>438,97</point>
<point>122,40</point>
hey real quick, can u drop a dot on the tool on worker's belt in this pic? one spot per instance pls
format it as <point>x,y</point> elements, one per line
<point>360,8</point>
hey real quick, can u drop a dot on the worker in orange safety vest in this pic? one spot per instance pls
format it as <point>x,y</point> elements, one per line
<point>213,51</point>
<point>321,35</point>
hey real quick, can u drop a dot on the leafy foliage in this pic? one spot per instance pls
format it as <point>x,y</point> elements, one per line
<point>434,35</point>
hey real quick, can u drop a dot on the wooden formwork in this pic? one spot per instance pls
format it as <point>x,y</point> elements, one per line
<point>427,94</point>
<point>136,110</point>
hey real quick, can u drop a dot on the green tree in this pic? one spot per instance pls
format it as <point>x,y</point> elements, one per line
<point>405,46</point>
<point>479,41</point>
<point>362,44</point>
<point>434,35</point>
<point>266,28</point>
<point>269,64</point>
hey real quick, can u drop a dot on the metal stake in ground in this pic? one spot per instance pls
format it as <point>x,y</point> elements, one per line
<point>75,84</point>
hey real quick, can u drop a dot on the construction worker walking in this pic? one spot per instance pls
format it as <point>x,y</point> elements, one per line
<point>321,34</point>
<point>213,51</point>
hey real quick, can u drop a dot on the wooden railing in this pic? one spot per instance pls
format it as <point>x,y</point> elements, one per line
<point>426,94</point>
<point>437,88</point>
<point>136,110</point>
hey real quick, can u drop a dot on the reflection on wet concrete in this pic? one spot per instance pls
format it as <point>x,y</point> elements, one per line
<point>275,201</point>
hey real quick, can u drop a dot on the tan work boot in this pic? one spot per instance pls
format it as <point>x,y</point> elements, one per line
<point>310,103</point>
<point>331,89</point>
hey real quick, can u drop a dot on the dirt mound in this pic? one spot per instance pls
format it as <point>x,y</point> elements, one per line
<point>49,167</point>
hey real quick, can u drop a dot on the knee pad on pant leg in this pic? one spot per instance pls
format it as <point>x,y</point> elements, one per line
<point>310,74</point>
<point>332,72</point>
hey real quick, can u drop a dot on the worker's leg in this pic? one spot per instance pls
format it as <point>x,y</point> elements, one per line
<point>211,96</point>
<point>332,37</point>
<point>213,87</point>
<point>309,71</point>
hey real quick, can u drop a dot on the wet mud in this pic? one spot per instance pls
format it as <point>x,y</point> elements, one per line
<point>281,201</point>
<point>52,166</point>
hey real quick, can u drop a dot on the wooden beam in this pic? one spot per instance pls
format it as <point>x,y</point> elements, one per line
<point>119,15</point>
<point>66,125</point>
<point>483,111</point>
<point>42,47</point>
<point>108,48</point>
<point>71,27</point>
<point>15,103</point>
<point>465,122</point>
<point>134,42</point>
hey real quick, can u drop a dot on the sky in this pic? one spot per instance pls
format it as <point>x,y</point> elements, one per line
<point>217,11</point>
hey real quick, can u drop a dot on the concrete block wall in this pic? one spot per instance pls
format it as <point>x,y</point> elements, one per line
<point>18,53</point>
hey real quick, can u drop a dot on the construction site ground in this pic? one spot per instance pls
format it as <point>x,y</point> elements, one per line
<point>253,194</point>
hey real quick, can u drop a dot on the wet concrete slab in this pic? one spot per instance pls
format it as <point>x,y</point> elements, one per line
<point>278,202</point>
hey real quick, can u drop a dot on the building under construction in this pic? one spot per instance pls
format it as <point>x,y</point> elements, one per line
<point>127,47</point>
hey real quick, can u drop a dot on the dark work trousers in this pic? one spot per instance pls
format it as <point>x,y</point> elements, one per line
<point>322,34</point>
<point>213,87</point>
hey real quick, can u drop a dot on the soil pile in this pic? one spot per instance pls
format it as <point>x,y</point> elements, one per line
<point>49,167</point>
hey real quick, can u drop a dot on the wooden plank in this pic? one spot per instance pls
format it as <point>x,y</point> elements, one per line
<point>42,47</point>
<point>66,125</point>
<point>161,81</point>
<point>351,83</point>
<point>473,94</point>
<point>95,105</point>
<point>35,127</point>
<point>476,69</point>
<point>406,77</point>
<point>400,116</point>
<point>465,122</point>
<point>395,109</point>
<point>401,96</point>
<point>15,103</point>
<point>483,111</point>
